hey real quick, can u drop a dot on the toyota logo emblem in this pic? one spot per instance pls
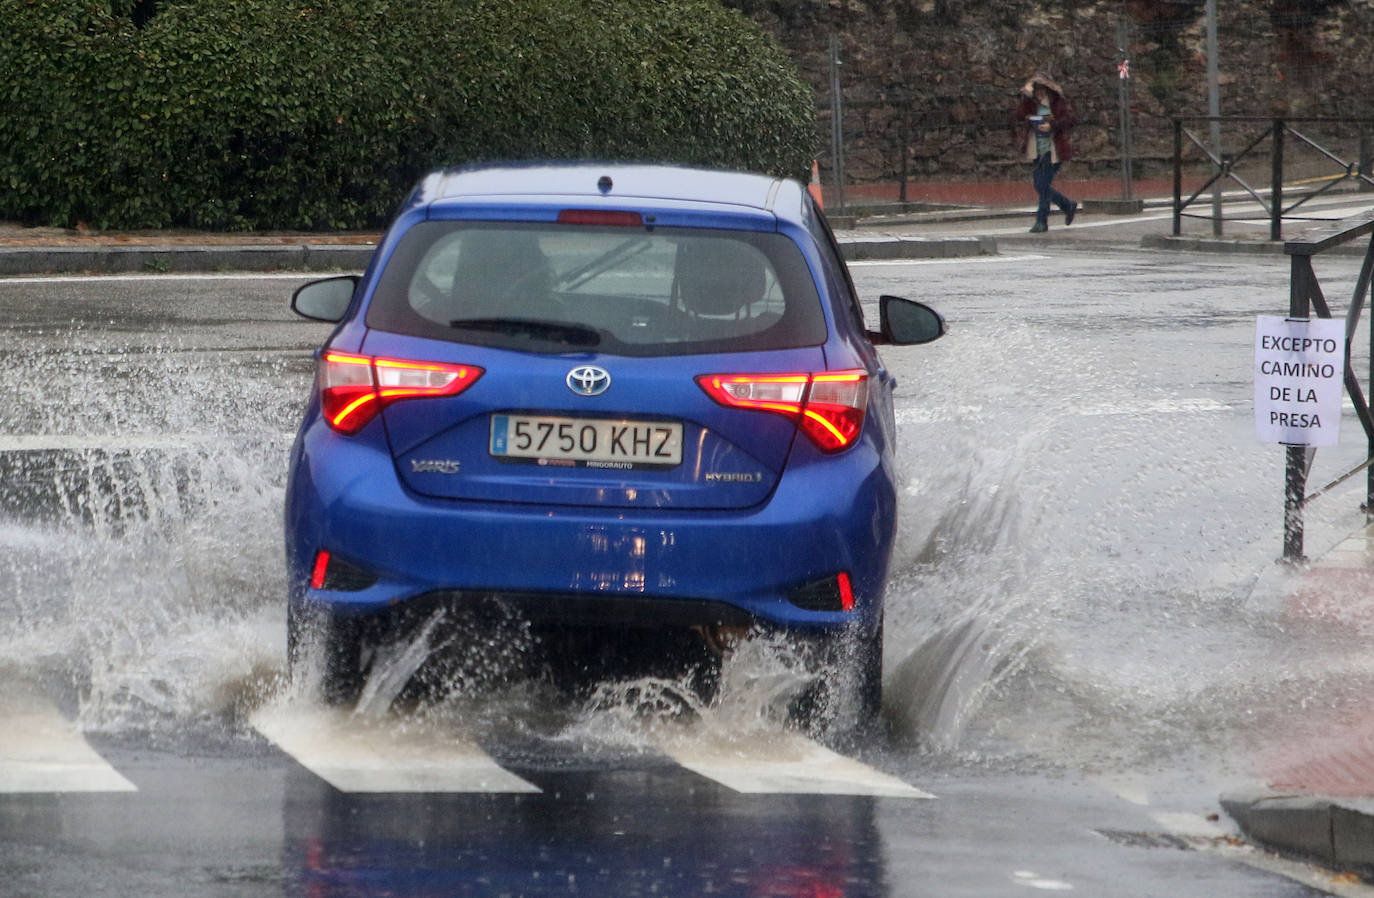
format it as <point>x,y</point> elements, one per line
<point>588,380</point>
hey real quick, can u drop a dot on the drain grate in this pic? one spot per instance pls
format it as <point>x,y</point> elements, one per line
<point>1144,839</point>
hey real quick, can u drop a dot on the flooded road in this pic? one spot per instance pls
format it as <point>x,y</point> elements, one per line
<point>1083,635</point>
<point>1089,571</point>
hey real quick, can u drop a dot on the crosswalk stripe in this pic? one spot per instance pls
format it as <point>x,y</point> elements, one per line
<point>356,755</point>
<point>42,752</point>
<point>784,763</point>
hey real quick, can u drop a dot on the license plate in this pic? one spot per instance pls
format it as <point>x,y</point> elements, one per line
<point>586,442</point>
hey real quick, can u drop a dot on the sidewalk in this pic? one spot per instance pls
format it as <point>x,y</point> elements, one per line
<point>1009,193</point>
<point>941,231</point>
<point>1317,802</point>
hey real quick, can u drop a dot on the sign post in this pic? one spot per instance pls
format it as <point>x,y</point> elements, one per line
<point>1299,375</point>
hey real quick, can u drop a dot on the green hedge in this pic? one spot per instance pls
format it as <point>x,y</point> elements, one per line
<point>320,115</point>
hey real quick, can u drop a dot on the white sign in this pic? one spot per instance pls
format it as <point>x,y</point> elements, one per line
<point>1299,378</point>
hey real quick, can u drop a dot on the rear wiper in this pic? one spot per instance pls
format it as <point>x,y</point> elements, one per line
<point>552,331</point>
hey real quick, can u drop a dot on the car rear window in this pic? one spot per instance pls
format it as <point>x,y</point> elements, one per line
<point>626,290</point>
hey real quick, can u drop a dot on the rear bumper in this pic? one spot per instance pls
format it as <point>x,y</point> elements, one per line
<point>830,515</point>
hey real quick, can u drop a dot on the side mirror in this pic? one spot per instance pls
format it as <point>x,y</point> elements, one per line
<point>325,300</point>
<point>905,322</point>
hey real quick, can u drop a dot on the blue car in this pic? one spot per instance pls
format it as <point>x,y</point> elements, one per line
<point>621,400</point>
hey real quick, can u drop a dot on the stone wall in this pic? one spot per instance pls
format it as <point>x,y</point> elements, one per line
<point>938,77</point>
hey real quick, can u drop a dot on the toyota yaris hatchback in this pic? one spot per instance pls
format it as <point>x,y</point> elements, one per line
<point>616,400</point>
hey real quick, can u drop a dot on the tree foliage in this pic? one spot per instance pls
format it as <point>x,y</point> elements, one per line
<point>295,114</point>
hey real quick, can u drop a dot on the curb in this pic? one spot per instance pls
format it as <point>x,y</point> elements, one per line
<point>1113,207</point>
<point>1209,245</point>
<point>951,216</point>
<point>1223,245</point>
<point>864,248</point>
<point>146,259</point>
<point>328,257</point>
<point>1056,238</point>
<point>1337,833</point>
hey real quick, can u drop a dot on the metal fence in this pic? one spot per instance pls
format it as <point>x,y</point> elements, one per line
<point>1306,297</point>
<point>1301,165</point>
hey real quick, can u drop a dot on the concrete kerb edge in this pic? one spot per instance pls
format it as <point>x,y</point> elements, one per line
<point>1224,245</point>
<point>929,218</point>
<point>876,248</point>
<point>1209,245</point>
<point>1327,830</point>
<point>159,259</point>
<point>326,257</point>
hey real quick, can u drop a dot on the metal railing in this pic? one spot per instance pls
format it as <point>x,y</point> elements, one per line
<point>1305,296</point>
<point>1224,166</point>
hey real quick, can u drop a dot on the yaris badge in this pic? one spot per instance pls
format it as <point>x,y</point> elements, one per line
<point>588,380</point>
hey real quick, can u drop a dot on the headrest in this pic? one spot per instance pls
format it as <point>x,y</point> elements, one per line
<point>718,276</point>
<point>491,262</point>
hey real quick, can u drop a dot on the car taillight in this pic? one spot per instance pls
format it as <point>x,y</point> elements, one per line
<point>829,406</point>
<point>835,407</point>
<point>355,388</point>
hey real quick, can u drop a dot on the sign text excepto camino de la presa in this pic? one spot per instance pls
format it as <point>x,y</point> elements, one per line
<point>1299,377</point>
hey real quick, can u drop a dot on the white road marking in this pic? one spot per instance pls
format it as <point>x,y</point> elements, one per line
<point>1333,208</point>
<point>1325,209</point>
<point>1036,881</point>
<point>1134,791</point>
<point>41,751</point>
<point>353,754</point>
<point>957,260</point>
<point>1080,225</point>
<point>784,763</point>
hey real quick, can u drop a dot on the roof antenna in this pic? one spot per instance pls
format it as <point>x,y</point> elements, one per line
<point>604,184</point>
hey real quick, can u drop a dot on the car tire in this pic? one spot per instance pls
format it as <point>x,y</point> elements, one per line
<point>325,652</point>
<point>847,697</point>
<point>868,669</point>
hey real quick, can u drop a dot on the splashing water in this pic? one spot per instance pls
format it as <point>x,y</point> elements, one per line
<point>142,564</point>
<point>1087,522</point>
<point>393,664</point>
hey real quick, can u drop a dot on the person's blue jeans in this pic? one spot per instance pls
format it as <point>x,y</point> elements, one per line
<point>1042,176</point>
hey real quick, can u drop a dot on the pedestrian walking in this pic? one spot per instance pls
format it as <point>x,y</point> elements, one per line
<point>1044,119</point>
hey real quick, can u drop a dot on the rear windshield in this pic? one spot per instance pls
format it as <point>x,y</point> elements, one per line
<point>626,290</point>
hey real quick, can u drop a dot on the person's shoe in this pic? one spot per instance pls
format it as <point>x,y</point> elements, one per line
<point>1039,228</point>
<point>1069,213</point>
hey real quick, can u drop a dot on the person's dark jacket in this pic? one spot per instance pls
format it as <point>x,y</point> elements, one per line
<point>1062,121</point>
